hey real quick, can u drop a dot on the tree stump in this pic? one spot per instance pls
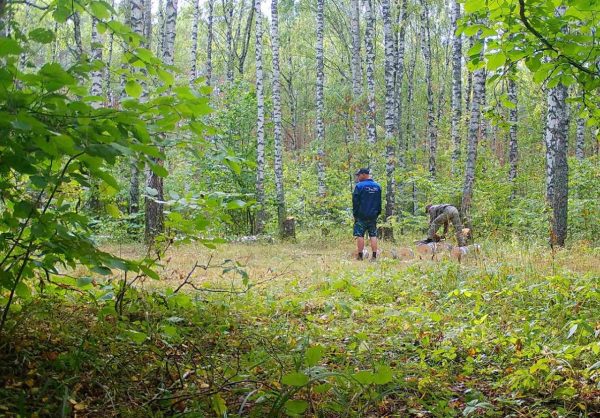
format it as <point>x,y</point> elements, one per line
<point>385,233</point>
<point>289,228</point>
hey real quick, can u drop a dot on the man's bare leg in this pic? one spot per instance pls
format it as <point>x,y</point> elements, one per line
<point>374,246</point>
<point>360,246</point>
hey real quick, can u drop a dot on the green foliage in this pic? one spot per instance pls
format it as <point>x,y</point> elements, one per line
<point>56,143</point>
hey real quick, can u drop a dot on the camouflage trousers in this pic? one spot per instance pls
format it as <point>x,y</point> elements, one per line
<point>450,214</point>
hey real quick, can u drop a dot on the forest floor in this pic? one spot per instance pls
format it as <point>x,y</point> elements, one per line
<point>305,330</point>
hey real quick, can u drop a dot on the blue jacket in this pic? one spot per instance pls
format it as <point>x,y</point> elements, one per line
<point>366,200</point>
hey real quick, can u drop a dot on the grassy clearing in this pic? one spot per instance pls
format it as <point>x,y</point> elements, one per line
<point>310,332</point>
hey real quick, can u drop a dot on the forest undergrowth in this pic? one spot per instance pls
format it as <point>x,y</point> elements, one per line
<point>304,330</point>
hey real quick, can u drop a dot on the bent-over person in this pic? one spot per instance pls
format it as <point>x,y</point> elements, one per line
<point>442,215</point>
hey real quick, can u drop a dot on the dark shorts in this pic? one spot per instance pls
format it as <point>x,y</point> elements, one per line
<point>361,226</point>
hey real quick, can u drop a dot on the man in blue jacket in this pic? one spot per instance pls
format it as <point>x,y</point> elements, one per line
<point>366,207</point>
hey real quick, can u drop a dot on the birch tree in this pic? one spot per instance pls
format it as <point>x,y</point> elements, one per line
<point>277,125</point>
<point>472,142</point>
<point>228,14</point>
<point>426,48</point>
<point>370,67</point>
<point>557,169</point>
<point>194,49</point>
<point>580,139</point>
<point>403,144</point>
<point>209,42</point>
<point>356,65</point>
<point>260,123</point>
<point>136,21</point>
<point>96,55</point>
<point>390,106</point>
<point>513,153</point>
<point>320,127</point>
<point>456,100</point>
<point>154,208</point>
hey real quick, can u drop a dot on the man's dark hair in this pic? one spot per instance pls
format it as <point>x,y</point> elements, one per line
<point>427,208</point>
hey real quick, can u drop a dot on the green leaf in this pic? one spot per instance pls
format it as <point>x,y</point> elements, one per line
<point>495,61</point>
<point>133,88</point>
<point>295,406</point>
<point>135,336</point>
<point>218,405</point>
<point>159,170</point>
<point>113,210</point>
<point>383,375</point>
<point>472,6</point>
<point>295,379</point>
<point>84,281</point>
<point>314,355</point>
<point>22,290</point>
<point>166,77</point>
<point>9,46</point>
<point>149,272</point>
<point>100,9</point>
<point>41,35</point>
<point>236,204</point>
<point>364,377</point>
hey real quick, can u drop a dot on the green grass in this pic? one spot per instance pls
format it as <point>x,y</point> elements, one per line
<point>515,332</point>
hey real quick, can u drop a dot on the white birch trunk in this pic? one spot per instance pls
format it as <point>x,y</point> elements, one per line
<point>96,76</point>
<point>209,42</point>
<point>402,142</point>
<point>390,106</point>
<point>513,119</point>
<point>370,61</point>
<point>136,21</point>
<point>194,51</point>
<point>154,209</point>
<point>277,125</point>
<point>320,127</point>
<point>556,161</point>
<point>472,143</point>
<point>228,12</point>
<point>260,123</point>
<point>580,139</point>
<point>356,67</point>
<point>456,100</point>
<point>426,47</point>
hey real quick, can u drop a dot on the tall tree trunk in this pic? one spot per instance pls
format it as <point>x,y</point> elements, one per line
<point>228,13</point>
<point>154,207</point>
<point>209,42</point>
<point>356,66</point>
<point>194,51</point>
<point>278,142</point>
<point>580,139</point>
<point>390,106</point>
<point>456,101</point>
<point>370,55</point>
<point>161,27</point>
<point>472,142</point>
<point>77,35</point>
<point>320,126</point>
<point>402,140</point>
<point>426,47</point>
<point>96,49</point>
<point>148,22</point>
<point>245,40</point>
<point>135,18</point>
<point>469,89</point>
<point>556,162</point>
<point>513,119</point>
<point>410,126</point>
<point>107,90</point>
<point>260,123</point>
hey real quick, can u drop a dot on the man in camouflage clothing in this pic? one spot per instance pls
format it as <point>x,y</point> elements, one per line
<point>442,215</point>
